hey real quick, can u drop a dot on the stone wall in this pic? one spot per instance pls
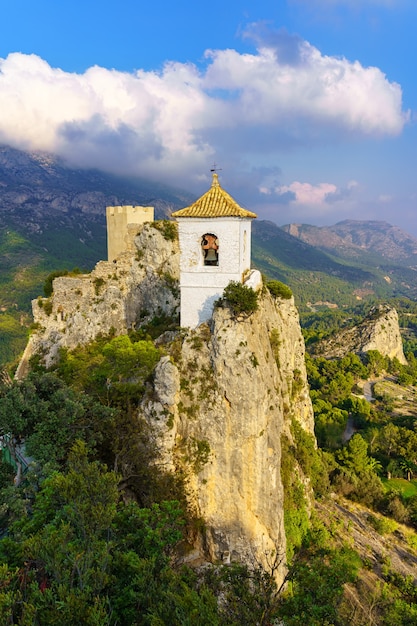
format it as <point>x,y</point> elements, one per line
<point>118,218</point>
<point>140,284</point>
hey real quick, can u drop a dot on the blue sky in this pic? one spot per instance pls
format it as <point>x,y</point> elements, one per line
<point>307,106</point>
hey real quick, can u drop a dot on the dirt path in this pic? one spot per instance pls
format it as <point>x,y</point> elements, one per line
<point>367,390</point>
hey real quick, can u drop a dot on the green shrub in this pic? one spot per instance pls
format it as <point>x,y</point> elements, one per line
<point>47,306</point>
<point>47,286</point>
<point>98,282</point>
<point>279,290</point>
<point>240,298</point>
<point>383,525</point>
<point>168,229</point>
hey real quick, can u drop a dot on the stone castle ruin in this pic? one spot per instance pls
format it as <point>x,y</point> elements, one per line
<point>231,389</point>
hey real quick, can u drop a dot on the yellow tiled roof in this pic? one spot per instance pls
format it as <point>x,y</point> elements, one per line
<point>216,202</point>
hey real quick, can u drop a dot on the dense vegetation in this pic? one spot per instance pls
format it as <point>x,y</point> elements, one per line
<point>94,531</point>
<point>337,398</point>
<point>370,447</point>
<point>25,269</point>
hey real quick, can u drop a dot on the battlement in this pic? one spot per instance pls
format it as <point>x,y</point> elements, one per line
<point>118,218</point>
<point>131,210</point>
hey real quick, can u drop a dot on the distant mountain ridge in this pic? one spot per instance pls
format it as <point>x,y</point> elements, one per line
<point>36,187</point>
<point>52,217</point>
<point>352,239</point>
<point>323,275</point>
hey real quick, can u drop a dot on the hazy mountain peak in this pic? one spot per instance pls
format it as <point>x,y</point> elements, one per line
<point>350,239</point>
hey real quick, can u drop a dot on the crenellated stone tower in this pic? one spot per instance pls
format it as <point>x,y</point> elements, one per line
<point>118,218</point>
<point>215,248</point>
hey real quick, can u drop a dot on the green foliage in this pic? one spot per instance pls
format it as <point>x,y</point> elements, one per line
<point>159,324</point>
<point>241,299</point>
<point>397,600</point>
<point>317,587</point>
<point>48,284</point>
<point>49,416</point>
<point>275,341</point>
<point>198,453</point>
<point>168,228</point>
<point>383,525</point>
<point>245,596</point>
<point>330,424</point>
<point>296,518</point>
<point>64,555</point>
<point>83,557</point>
<point>114,370</point>
<point>320,325</point>
<point>375,362</point>
<point>98,282</point>
<point>310,458</point>
<point>356,476</point>
<point>354,456</point>
<point>297,383</point>
<point>13,337</point>
<point>47,306</point>
<point>279,290</point>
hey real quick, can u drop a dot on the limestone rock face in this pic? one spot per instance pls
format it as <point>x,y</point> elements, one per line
<point>220,399</point>
<point>240,380</point>
<point>378,331</point>
<point>140,284</point>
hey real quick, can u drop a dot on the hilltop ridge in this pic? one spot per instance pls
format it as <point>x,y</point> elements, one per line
<point>352,239</point>
<point>221,397</point>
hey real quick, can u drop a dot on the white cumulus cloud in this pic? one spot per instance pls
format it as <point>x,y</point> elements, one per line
<point>172,122</point>
<point>306,193</point>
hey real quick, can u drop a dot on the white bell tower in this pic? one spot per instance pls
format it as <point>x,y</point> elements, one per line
<point>215,248</point>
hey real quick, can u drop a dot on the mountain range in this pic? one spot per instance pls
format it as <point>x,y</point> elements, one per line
<point>52,217</point>
<point>359,240</point>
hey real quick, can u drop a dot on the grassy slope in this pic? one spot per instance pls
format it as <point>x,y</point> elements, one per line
<point>24,264</point>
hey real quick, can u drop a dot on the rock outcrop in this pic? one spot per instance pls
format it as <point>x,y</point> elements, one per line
<point>141,284</point>
<point>378,331</point>
<point>220,411</point>
<point>221,397</point>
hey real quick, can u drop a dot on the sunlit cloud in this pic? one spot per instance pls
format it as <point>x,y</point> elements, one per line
<point>307,194</point>
<point>173,122</point>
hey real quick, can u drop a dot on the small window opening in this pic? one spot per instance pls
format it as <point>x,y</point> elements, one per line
<point>210,247</point>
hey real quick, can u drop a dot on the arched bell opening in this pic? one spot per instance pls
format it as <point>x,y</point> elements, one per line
<point>210,249</point>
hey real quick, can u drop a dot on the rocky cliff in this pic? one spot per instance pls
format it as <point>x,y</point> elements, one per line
<point>221,409</point>
<point>221,396</point>
<point>114,298</point>
<point>378,331</point>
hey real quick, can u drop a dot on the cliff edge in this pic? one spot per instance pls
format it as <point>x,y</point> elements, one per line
<point>378,331</point>
<point>221,397</point>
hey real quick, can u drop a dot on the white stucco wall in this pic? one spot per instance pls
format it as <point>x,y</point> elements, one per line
<point>201,285</point>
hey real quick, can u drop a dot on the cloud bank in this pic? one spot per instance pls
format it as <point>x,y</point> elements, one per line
<point>172,124</point>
